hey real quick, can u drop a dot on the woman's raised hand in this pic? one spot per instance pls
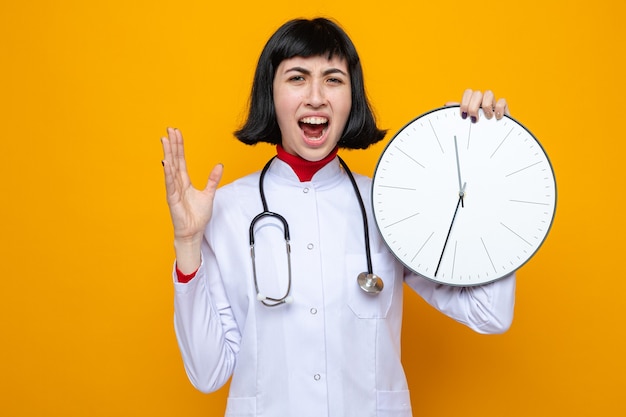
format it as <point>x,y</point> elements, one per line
<point>190,208</point>
<point>473,100</point>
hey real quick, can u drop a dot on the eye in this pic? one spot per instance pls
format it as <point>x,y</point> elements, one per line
<point>335,81</point>
<point>296,78</point>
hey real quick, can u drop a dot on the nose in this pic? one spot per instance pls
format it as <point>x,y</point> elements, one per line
<point>316,96</point>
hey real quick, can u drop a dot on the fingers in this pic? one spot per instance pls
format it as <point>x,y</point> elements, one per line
<point>502,108</point>
<point>174,149</point>
<point>465,100</point>
<point>174,165</point>
<point>472,101</point>
<point>179,149</point>
<point>488,104</point>
<point>214,178</point>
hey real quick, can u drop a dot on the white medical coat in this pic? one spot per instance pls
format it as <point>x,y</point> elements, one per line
<point>335,351</point>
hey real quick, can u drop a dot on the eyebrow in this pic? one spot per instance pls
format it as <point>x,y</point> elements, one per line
<point>308,72</point>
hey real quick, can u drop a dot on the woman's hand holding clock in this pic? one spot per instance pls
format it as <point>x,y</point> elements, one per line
<point>473,100</point>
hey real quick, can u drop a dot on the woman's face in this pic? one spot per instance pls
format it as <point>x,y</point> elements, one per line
<point>312,98</point>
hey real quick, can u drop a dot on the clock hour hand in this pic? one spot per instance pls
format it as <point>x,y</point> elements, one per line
<point>445,244</point>
<point>458,171</point>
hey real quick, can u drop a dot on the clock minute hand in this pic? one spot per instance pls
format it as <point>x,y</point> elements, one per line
<point>445,244</point>
<point>458,171</point>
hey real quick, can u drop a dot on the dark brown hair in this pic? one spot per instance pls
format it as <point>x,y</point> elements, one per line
<point>305,38</point>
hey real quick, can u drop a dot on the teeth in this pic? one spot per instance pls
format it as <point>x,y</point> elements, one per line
<point>314,120</point>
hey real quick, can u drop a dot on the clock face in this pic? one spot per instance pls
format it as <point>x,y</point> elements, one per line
<point>463,203</point>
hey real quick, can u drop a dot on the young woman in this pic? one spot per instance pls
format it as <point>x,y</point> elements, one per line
<point>287,319</point>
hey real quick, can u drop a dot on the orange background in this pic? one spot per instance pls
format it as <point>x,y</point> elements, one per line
<point>87,90</point>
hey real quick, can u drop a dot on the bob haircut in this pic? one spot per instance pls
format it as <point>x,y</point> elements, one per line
<point>305,38</point>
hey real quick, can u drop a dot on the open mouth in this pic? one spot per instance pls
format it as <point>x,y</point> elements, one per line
<point>313,127</point>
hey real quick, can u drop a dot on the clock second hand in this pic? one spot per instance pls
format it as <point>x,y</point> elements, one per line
<point>445,244</point>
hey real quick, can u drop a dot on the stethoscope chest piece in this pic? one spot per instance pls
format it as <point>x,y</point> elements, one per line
<point>370,283</point>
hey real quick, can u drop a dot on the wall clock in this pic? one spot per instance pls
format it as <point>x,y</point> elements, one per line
<point>463,203</point>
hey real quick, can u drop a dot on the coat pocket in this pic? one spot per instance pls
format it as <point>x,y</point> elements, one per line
<point>365,305</point>
<point>241,407</point>
<point>394,404</point>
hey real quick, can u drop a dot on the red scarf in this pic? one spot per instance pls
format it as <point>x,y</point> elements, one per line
<point>304,169</point>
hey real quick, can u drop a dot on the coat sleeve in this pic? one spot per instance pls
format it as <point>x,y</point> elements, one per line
<point>207,333</point>
<point>484,308</point>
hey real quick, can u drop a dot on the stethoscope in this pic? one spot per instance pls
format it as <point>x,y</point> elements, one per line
<point>368,281</point>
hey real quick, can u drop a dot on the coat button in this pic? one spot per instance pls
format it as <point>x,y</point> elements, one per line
<point>305,190</point>
<point>310,246</point>
<point>317,377</point>
<point>313,310</point>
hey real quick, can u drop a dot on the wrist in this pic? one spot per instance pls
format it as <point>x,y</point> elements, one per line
<point>188,254</point>
<point>193,241</point>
